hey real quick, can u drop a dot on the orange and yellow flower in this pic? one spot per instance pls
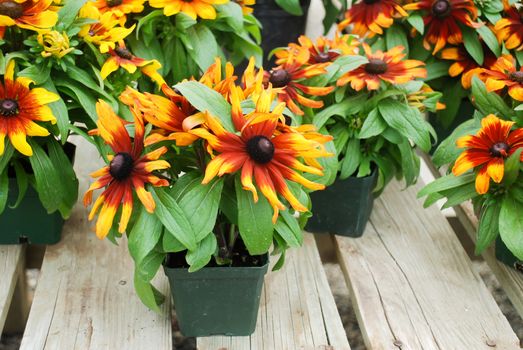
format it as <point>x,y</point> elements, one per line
<point>503,73</point>
<point>106,32</point>
<point>261,152</point>
<point>128,170</point>
<point>418,99</point>
<point>286,78</point>
<point>387,66</point>
<point>370,17</point>
<point>509,29</point>
<point>465,65</point>
<point>192,8</point>
<point>54,44</point>
<point>122,57</point>
<point>488,148</point>
<point>27,14</point>
<point>20,109</point>
<point>443,19</point>
<point>246,5</point>
<point>323,51</point>
<point>119,8</point>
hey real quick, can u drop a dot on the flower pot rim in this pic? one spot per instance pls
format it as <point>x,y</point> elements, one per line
<point>265,258</point>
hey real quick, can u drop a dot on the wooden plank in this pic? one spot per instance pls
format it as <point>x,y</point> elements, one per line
<point>510,280</point>
<point>413,285</point>
<point>85,297</point>
<point>20,305</point>
<point>297,309</point>
<point>11,267</point>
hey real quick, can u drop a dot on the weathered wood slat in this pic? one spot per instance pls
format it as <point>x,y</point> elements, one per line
<point>412,283</point>
<point>11,266</point>
<point>85,297</point>
<point>297,309</point>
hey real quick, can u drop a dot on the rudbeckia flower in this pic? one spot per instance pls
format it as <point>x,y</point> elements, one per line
<point>503,74</point>
<point>106,32</point>
<point>386,66</point>
<point>192,8</point>
<point>490,147</point>
<point>129,169</point>
<point>122,57</point>
<point>286,78</point>
<point>54,44</point>
<point>20,108</point>
<point>119,8</point>
<point>443,19</point>
<point>29,14</point>
<point>371,16</point>
<point>261,152</point>
<point>417,99</point>
<point>323,50</point>
<point>509,29</point>
<point>464,64</point>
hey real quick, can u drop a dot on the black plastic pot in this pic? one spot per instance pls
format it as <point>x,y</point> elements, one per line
<point>344,207</point>
<point>217,300</point>
<point>279,27</point>
<point>505,256</point>
<point>465,112</point>
<point>30,222</point>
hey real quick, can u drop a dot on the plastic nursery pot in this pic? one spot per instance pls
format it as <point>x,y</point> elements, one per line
<point>465,112</point>
<point>506,257</point>
<point>217,300</point>
<point>30,222</point>
<point>279,27</point>
<point>344,207</point>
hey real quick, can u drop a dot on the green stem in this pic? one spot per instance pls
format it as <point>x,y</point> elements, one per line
<point>232,237</point>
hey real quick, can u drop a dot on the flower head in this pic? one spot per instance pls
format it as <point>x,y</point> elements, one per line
<point>28,14</point>
<point>20,109</point>
<point>443,19</point>
<point>119,8</point>
<point>370,17</point>
<point>286,79</point>
<point>128,169</point>
<point>261,152</point>
<point>55,44</point>
<point>387,66</point>
<point>488,148</point>
<point>420,98</point>
<point>503,73</point>
<point>192,8</point>
<point>509,29</point>
<point>122,57</point>
<point>464,64</point>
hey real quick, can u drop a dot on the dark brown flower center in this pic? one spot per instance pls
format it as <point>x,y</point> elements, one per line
<point>500,149</point>
<point>260,149</point>
<point>288,120</point>
<point>516,76</point>
<point>124,53</point>
<point>376,66</point>
<point>121,166</point>
<point>112,3</point>
<point>8,107</point>
<point>11,9</point>
<point>279,78</point>
<point>370,2</point>
<point>322,57</point>
<point>441,8</point>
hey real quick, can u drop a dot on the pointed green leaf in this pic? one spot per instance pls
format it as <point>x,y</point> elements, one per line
<point>201,256</point>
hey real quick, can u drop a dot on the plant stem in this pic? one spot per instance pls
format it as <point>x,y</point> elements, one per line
<point>233,234</point>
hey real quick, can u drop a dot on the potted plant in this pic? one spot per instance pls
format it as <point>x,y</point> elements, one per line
<point>375,117</point>
<point>485,156</point>
<point>209,182</point>
<point>454,38</point>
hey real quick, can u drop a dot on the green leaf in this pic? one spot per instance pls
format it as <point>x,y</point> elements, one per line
<point>396,36</point>
<point>68,181</point>
<point>349,106</point>
<point>472,44</point>
<point>408,123</point>
<point>148,294</point>
<point>490,39</point>
<point>206,99</point>
<point>512,168</point>
<point>488,228</point>
<point>59,111</point>
<point>416,21</point>
<point>174,218</point>
<point>4,190</point>
<point>68,12</point>
<point>410,163</point>
<point>170,244</point>
<point>437,69</point>
<point>39,73</point>
<point>349,63</point>
<point>232,13</point>
<point>453,99</point>
<point>511,225</point>
<point>447,152</point>
<point>446,182</point>
<point>254,220</point>
<point>289,229</point>
<point>144,236</point>
<point>487,102</point>
<point>201,256</point>
<point>351,159</point>
<point>373,125</point>
<point>21,180</point>
<point>291,6</point>
<point>6,157</point>
<point>204,46</point>
<point>459,195</point>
